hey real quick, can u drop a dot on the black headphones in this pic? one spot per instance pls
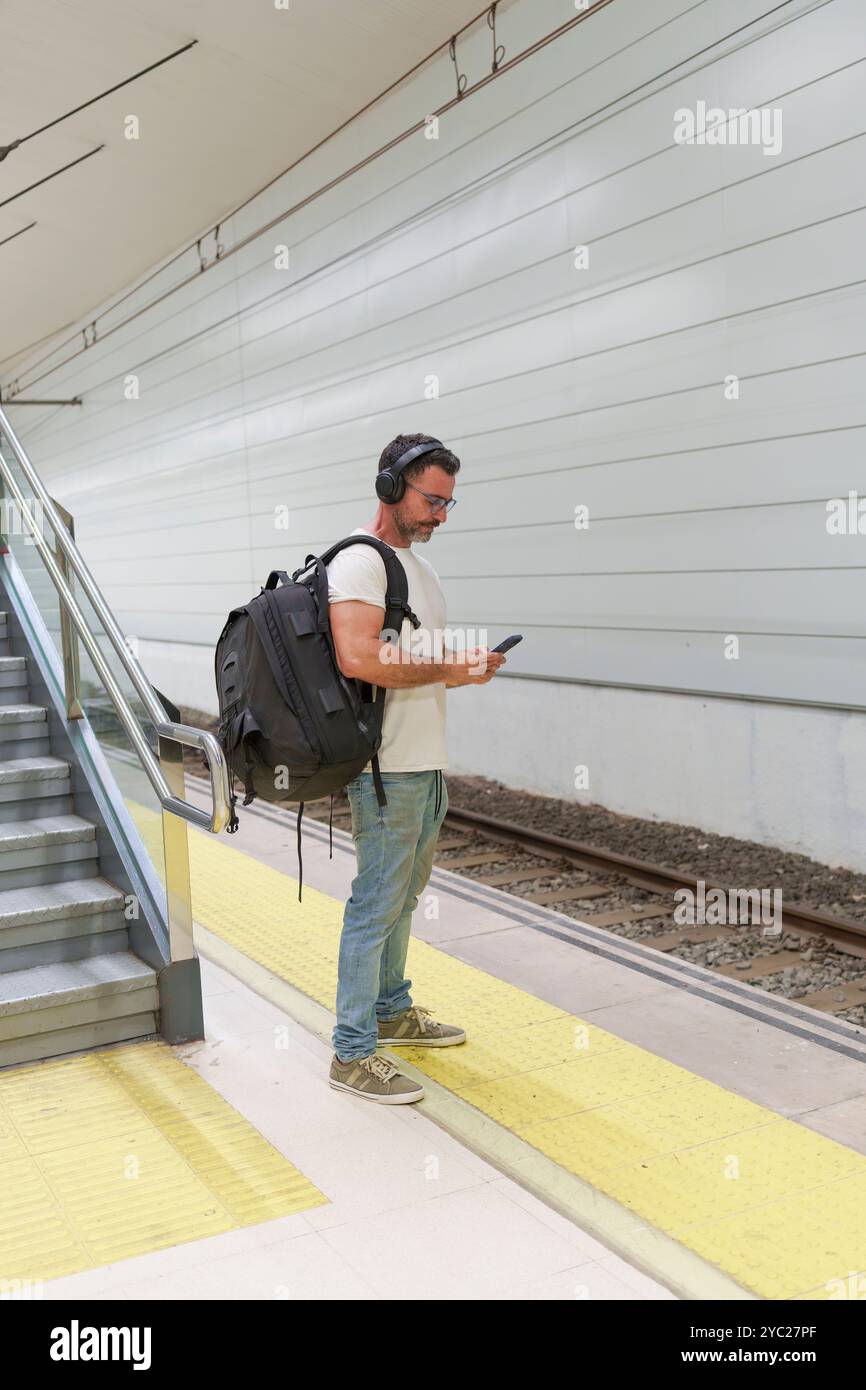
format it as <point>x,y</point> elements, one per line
<point>390,483</point>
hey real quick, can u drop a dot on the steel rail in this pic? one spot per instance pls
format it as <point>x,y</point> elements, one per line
<point>644,874</point>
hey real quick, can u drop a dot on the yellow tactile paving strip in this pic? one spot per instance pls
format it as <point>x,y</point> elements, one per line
<point>122,1152</point>
<point>780,1209</point>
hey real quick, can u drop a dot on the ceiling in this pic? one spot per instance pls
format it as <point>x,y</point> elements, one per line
<point>261,86</point>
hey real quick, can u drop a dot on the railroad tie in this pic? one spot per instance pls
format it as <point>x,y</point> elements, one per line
<point>581,892</point>
<point>621,915</point>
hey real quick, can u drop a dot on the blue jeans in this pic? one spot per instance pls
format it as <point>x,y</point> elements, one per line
<point>395,845</point>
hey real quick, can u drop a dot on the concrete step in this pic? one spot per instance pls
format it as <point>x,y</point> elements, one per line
<point>71,1005</point>
<point>55,922</point>
<point>13,680</point>
<point>68,980</point>
<point>46,850</point>
<point>23,714</point>
<point>34,786</point>
<point>24,729</point>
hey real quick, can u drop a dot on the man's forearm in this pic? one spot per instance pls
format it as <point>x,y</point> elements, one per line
<point>400,670</point>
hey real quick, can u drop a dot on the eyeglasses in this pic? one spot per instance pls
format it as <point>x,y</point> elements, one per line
<point>439,504</point>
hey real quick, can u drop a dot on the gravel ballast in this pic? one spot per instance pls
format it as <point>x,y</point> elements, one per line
<point>735,864</point>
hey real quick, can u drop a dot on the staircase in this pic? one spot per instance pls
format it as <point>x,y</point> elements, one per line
<point>96,928</point>
<point>68,979</point>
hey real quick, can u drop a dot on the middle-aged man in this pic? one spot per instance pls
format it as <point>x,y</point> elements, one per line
<point>395,843</point>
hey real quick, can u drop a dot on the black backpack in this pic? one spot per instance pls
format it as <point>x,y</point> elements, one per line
<point>292,726</point>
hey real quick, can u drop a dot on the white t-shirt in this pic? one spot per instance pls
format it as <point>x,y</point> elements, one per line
<point>413,727</point>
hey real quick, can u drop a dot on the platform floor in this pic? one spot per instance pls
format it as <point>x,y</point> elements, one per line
<point>614,1118</point>
<point>382,1203</point>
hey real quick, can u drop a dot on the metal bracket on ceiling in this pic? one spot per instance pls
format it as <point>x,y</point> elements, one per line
<point>461,76</point>
<point>7,399</point>
<point>498,49</point>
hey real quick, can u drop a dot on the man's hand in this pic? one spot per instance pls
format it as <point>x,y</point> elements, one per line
<point>474,666</point>
<point>362,655</point>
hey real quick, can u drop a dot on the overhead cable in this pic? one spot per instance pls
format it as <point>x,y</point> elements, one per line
<point>14,144</point>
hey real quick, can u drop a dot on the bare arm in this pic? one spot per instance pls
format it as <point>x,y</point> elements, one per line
<point>361,654</point>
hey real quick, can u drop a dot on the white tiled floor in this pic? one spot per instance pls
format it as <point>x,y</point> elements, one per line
<point>413,1214</point>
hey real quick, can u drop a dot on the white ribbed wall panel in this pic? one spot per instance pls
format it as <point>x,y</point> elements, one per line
<point>263,389</point>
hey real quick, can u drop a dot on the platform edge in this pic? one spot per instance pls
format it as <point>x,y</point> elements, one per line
<point>623,1232</point>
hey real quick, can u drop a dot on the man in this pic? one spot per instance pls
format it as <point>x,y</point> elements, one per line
<point>395,843</point>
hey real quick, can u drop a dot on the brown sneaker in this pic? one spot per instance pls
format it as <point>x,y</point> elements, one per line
<point>418,1028</point>
<point>374,1078</point>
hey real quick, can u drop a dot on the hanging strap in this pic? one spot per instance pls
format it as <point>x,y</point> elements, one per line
<point>300,852</point>
<point>233,820</point>
<point>248,727</point>
<point>331,828</point>
<point>377,781</point>
<point>249,786</point>
<point>236,731</point>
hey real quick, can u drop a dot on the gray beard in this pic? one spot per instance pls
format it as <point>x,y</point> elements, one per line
<point>411,533</point>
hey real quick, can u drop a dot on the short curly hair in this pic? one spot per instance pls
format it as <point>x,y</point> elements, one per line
<point>442,458</point>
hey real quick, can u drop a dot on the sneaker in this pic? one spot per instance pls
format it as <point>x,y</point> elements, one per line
<point>374,1078</point>
<point>418,1028</point>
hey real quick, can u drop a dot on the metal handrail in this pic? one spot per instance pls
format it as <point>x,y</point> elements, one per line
<point>185,734</point>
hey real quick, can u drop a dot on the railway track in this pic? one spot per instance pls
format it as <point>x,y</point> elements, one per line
<point>817,958</point>
<point>632,897</point>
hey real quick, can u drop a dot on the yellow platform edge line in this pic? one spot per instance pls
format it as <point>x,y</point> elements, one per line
<point>643,1246</point>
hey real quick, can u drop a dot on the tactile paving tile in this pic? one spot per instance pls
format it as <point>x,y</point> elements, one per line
<point>793,1246</point>
<point>706,1182</point>
<point>605,1138</point>
<point>543,1044</point>
<point>120,1152</point>
<point>694,1113</point>
<point>252,1179</point>
<point>37,1241</point>
<point>779,1208</point>
<point>569,1087</point>
<point>133,1193</point>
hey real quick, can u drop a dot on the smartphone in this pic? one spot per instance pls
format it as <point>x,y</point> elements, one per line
<point>509,643</point>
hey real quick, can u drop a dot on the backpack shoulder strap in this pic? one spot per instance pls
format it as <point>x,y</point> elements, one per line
<point>397,586</point>
<point>396,609</point>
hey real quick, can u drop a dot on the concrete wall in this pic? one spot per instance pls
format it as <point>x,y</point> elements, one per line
<point>267,394</point>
